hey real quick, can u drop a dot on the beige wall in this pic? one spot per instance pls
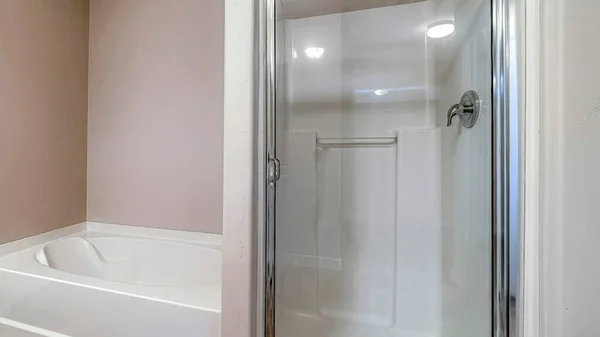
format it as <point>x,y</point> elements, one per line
<point>43,80</point>
<point>156,113</point>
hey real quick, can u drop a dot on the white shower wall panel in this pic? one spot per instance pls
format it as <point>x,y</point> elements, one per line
<point>418,235</point>
<point>360,232</point>
<point>359,229</point>
<point>356,225</point>
<point>364,51</point>
<point>466,162</point>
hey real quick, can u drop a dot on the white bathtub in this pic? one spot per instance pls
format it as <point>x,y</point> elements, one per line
<point>106,276</point>
<point>134,260</point>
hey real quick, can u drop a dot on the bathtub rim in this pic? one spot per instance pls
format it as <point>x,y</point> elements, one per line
<point>209,239</point>
<point>41,258</point>
<point>18,257</point>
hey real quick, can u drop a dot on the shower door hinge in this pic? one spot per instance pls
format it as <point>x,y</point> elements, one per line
<point>274,170</point>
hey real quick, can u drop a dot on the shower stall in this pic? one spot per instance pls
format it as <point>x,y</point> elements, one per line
<point>387,170</point>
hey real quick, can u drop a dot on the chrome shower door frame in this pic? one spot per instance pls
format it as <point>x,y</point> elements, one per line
<point>266,188</point>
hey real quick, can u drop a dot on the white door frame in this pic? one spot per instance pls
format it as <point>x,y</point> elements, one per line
<point>528,312</point>
<point>238,312</point>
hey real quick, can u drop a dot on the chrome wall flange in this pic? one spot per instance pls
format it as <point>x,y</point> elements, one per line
<point>467,109</point>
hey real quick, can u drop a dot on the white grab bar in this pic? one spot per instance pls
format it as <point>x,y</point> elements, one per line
<point>336,143</point>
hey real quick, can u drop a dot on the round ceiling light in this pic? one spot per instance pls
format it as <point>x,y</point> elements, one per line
<point>440,29</point>
<point>314,52</point>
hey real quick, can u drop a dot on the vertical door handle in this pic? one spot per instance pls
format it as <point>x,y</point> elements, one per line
<point>274,170</point>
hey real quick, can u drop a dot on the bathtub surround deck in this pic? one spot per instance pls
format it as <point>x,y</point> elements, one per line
<point>39,296</point>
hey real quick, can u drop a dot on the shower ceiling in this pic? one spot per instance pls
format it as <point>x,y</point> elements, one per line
<point>295,9</point>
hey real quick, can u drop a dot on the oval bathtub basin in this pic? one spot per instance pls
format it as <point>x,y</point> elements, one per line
<point>135,260</point>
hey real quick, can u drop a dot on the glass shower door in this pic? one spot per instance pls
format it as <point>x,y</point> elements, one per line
<point>381,141</point>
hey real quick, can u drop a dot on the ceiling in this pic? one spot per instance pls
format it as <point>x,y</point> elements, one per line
<point>296,9</point>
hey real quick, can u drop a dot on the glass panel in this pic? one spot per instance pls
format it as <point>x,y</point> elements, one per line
<point>383,212</point>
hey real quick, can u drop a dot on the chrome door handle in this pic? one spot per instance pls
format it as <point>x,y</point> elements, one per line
<point>467,109</point>
<point>274,170</point>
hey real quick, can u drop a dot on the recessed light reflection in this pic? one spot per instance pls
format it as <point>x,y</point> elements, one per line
<point>440,29</point>
<point>380,92</point>
<point>314,52</point>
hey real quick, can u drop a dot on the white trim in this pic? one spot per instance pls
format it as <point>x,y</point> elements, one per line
<point>239,237</point>
<point>552,123</point>
<point>529,292</point>
<point>261,167</point>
